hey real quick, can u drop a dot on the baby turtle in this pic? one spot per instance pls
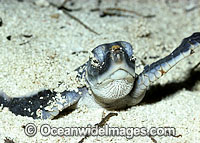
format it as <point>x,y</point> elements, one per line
<point>110,75</point>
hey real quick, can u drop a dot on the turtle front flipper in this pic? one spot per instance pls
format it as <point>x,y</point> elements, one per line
<point>60,102</point>
<point>44,104</point>
<point>157,69</point>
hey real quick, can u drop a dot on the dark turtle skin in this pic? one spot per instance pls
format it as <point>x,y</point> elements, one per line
<point>111,78</point>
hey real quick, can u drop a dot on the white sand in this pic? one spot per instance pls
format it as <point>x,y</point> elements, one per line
<point>46,59</point>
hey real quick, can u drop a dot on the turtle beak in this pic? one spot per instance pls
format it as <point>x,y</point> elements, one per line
<point>117,57</point>
<point>120,60</point>
<point>117,54</point>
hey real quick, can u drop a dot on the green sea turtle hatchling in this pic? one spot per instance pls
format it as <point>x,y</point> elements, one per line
<point>109,74</point>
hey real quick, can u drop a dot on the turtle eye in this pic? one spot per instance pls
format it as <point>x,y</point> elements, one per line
<point>94,62</point>
<point>133,58</point>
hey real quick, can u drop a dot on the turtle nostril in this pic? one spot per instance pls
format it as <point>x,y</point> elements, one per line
<point>117,57</point>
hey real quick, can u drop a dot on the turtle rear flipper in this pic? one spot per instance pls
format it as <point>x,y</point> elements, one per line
<point>44,104</point>
<point>157,69</point>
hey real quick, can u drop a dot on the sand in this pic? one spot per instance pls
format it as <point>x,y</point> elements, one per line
<point>36,45</point>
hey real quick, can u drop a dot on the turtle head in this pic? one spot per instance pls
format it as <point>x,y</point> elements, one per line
<point>111,71</point>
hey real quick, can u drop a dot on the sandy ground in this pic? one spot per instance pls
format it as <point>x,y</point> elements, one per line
<point>36,45</point>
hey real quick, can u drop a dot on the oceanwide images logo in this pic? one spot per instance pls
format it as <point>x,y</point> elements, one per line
<point>128,132</point>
